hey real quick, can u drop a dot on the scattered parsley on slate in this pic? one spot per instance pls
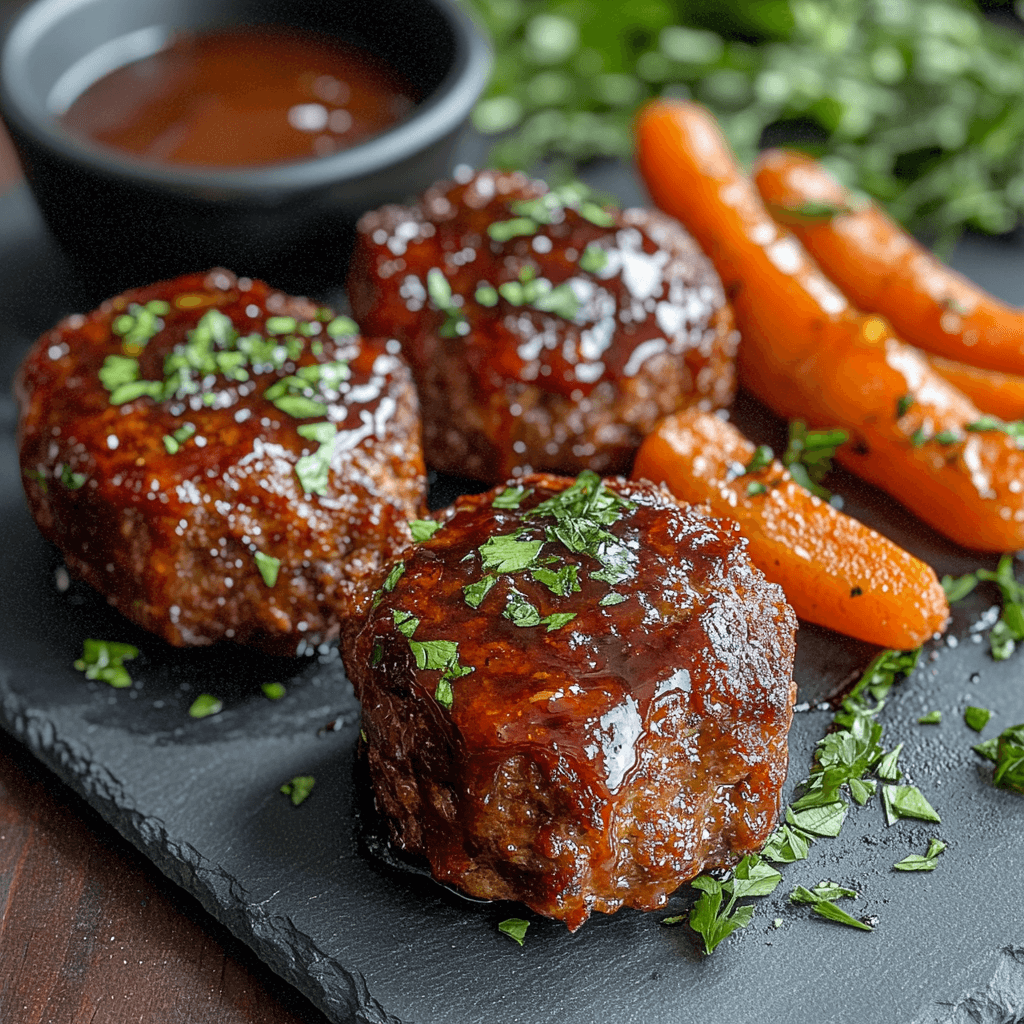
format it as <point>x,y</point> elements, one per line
<point>273,691</point>
<point>751,877</point>
<point>299,788</point>
<point>915,862</point>
<point>976,718</point>
<point>205,705</point>
<point>104,660</point>
<point>514,928</point>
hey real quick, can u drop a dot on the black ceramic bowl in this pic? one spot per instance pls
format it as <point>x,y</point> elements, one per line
<point>124,222</point>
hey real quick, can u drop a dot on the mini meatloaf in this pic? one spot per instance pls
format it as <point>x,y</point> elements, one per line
<point>576,695</point>
<point>222,460</point>
<point>545,331</point>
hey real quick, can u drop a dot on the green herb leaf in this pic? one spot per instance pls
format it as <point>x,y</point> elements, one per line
<point>314,470</point>
<point>915,862</point>
<point>976,718</point>
<point>342,327</point>
<point>506,230</point>
<point>505,553</point>
<point>826,820</point>
<point>519,611</point>
<point>405,622</point>
<point>486,295</point>
<point>562,582</point>
<point>557,620</point>
<point>808,457</point>
<point>886,768</point>
<point>434,655</point>
<point>833,913</point>
<point>958,587</point>
<point>988,748</point>
<point>906,802</point>
<point>612,599</point>
<point>510,497</point>
<point>931,718</point>
<point>298,788</point>
<point>1009,630</point>
<point>762,457</point>
<point>714,926</point>
<point>514,928</point>
<point>423,529</point>
<point>273,691</point>
<point>71,480</point>
<point>268,567</point>
<point>205,705</point>
<point>755,487</point>
<point>787,844</point>
<point>1009,771</point>
<point>474,593</point>
<point>104,660</point>
<point>594,259</point>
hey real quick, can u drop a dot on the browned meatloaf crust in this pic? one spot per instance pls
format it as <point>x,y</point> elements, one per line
<point>570,329</point>
<point>580,699</point>
<point>221,460</point>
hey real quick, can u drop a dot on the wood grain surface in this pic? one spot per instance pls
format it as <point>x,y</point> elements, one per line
<point>91,933</point>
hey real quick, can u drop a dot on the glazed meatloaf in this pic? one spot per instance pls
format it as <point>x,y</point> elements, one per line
<point>545,331</point>
<point>221,460</point>
<point>576,695</point>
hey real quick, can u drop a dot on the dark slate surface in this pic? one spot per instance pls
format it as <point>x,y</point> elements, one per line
<point>369,944</point>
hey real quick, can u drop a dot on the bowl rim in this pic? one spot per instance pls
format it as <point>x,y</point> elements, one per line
<point>440,114</point>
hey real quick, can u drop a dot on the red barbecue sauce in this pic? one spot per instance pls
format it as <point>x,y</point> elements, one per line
<point>242,97</point>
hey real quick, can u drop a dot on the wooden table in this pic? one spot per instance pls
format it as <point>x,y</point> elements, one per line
<point>90,931</point>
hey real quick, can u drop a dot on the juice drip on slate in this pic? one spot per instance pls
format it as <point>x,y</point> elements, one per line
<point>242,98</point>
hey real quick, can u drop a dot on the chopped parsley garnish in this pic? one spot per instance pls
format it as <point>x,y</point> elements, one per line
<point>561,582</point>
<point>205,705</point>
<point>842,759</point>
<point>1009,630</point>
<point>814,210</point>
<point>755,487</point>
<point>903,406</point>
<point>906,802</point>
<point>983,424</point>
<point>751,877</point>
<point>486,295</point>
<point>557,620</point>
<point>268,567</point>
<point>342,327</point>
<point>440,292</point>
<point>762,457</point>
<point>273,691</point>
<point>809,455</point>
<point>505,553</point>
<point>405,622</point>
<point>931,718</point>
<point>520,612</point>
<point>104,660</point>
<point>514,928</point>
<point>506,230</point>
<point>173,442</point>
<point>141,323</point>
<point>976,718</point>
<point>71,480</point>
<point>594,259</point>
<point>423,529</point>
<point>314,470</point>
<point>915,862</point>
<point>822,900</point>
<point>298,788</point>
<point>612,599</point>
<point>510,497</point>
<point>475,592</point>
<point>1009,759</point>
<point>948,437</point>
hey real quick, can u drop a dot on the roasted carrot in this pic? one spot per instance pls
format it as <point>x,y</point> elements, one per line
<point>808,354</point>
<point>883,269</point>
<point>1001,394</point>
<point>834,570</point>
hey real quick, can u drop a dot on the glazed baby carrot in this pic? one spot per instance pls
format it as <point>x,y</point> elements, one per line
<point>1001,394</point>
<point>808,354</point>
<point>834,570</point>
<point>882,269</point>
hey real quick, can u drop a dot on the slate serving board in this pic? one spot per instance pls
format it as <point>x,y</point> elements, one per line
<point>370,944</point>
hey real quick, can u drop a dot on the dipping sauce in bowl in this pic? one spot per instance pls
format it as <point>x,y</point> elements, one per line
<point>243,97</point>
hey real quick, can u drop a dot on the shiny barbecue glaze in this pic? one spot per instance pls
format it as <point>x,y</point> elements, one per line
<point>598,763</point>
<point>167,523</point>
<point>508,384</point>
